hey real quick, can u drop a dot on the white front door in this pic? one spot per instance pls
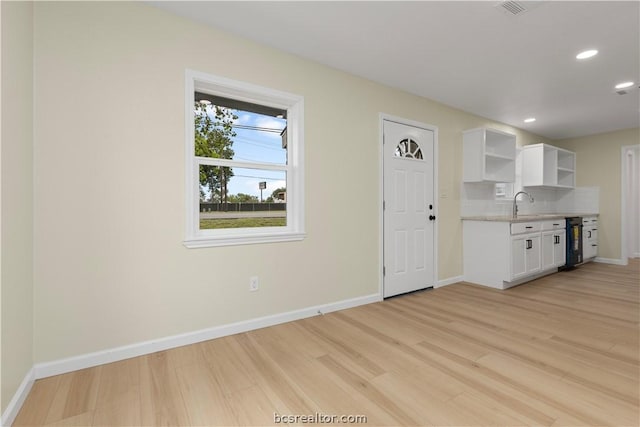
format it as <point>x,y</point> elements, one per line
<point>408,208</point>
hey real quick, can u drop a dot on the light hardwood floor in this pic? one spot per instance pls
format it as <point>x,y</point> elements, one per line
<point>562,350</point>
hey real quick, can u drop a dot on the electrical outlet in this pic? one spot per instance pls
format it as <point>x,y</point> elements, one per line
<point>254,285</point>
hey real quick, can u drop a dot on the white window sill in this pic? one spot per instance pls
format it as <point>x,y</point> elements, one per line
<point>210,242</point>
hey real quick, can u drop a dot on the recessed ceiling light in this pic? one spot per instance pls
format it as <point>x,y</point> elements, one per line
<point>587,54</point>
<point>624,85</point>
<point>530,120</point>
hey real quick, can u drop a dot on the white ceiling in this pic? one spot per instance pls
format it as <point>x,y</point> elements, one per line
<point>470,55</point>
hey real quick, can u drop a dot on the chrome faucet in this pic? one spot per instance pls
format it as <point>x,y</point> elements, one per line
<point>515,199</point>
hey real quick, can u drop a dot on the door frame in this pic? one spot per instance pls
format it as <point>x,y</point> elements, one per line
<point>387,117</point>
<point>624,181</point>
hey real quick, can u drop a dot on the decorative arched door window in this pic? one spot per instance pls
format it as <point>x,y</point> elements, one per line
<point>409,149</point>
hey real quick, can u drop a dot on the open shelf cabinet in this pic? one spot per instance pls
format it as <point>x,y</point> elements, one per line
<point>544,165</point>
<point>489,155</point>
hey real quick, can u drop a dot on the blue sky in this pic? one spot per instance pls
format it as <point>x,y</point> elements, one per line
<point>257,146</point>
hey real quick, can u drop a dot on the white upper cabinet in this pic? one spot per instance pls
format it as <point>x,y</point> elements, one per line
<point>544,165</point>
<point>489,156</point>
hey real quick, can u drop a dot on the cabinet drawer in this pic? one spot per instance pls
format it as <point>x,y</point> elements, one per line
<point>590,221</point>
<point>525,227</point>
<point>556,224</point>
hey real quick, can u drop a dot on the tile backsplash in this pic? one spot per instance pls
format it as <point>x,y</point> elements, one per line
<point>478,199</point>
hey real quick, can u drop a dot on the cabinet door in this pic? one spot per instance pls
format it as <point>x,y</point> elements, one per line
<point>548,250</point>
<point>518,265</point>
<point>594,241</point>
<point>533,253</point>
<point>586,244</point>
<point>560,249</point>
<point>589,239</point>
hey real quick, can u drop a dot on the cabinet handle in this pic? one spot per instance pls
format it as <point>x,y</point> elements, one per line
<point>589,236</point>
<point>529,243</point>
<point>528,226</point>
<point>557,240</point>
<point>595,229</point>
<point>556,224</point>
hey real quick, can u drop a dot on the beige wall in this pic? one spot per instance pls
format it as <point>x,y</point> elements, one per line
<point>598,164</point>
<point>16,291</point>
<point>110,268</point>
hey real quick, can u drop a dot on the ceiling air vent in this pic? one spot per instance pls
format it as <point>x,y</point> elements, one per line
<point>513,7</point>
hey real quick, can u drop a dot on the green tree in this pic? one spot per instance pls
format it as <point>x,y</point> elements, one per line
<point>213,138</point>
<point>275,195</point>
<point>242,198</point>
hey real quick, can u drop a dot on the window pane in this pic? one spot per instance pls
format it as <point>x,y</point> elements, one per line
<point>239,134</point>
<point>241,198</point>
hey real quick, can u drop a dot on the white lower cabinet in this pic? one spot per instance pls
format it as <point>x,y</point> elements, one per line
<point>553,248</point>
<point>501,254</point>
<point>589,238</point>
<point>525,255</point>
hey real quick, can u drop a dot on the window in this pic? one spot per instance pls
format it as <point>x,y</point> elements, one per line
<point>408,148</point>
<point>244,163</point>
<point>506,190</point>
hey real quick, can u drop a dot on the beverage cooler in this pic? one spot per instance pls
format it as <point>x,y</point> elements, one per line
<point>574,241</point>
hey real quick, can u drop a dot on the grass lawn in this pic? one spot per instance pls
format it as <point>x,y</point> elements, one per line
<point>242,222</point>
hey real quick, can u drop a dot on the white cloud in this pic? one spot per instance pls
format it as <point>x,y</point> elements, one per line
<point>243,119</point>
<point>270,122</point>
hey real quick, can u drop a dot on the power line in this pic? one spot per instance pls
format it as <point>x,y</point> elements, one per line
<point>257,144</point>
<point>258,177</point>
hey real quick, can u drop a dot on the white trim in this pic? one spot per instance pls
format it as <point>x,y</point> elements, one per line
<point>240,164</point>
<point>449,281</point>
<point>9,415</point>
<point>434,129</point>
<point>624,172</point>
<point>243,239</point>
<point>613,261</point>
<point>294,230</point>
<point>381,205</point>
<point>56,367</point>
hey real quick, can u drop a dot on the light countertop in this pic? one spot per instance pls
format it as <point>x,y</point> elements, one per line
<point>525,217</point>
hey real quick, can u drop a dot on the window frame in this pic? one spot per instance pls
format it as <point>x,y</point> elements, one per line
<point>294,230</point>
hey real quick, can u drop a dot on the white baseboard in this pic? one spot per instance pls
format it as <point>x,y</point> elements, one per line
<point>610,261</point>
<point>449,281</point>
<point>10,414</point>
<point>56,367</point>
